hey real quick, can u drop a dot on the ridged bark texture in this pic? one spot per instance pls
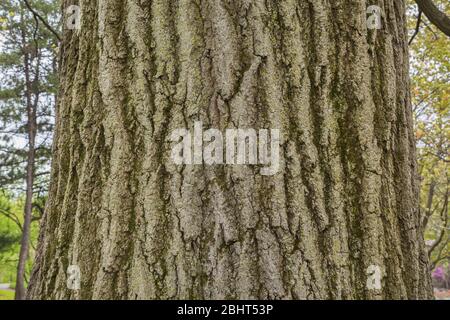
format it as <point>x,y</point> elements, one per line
<point>141,227</point>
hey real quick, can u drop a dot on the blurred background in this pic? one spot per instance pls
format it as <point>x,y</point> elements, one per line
<point>28,86</point>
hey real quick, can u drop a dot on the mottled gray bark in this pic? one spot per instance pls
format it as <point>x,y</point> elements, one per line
<point>141,227</point>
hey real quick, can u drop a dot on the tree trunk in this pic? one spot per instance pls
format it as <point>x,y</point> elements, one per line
<point>343,204</point>
<point>30,93</point>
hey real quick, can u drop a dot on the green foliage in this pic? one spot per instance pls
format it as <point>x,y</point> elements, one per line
<point>6,295</point>
<point>7,241</point>
<point>11,219</point>
<point>430,75</point>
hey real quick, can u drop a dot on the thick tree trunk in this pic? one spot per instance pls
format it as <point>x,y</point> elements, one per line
<point>343,204</point>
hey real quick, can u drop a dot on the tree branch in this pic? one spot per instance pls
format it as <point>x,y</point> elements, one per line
<point>12,217</point>
<point>39,17</point>
<point>416,32</point>
<point>41,212</point>
<point>429,212</point>
<point>436,17</point>
<point>444,215</point>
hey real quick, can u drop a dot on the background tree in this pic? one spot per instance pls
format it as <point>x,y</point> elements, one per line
<point>27,97</point>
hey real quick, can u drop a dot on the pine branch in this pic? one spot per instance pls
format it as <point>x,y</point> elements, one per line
<point>40,18</point>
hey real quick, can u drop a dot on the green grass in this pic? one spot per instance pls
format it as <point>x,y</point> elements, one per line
<point>6,295</point>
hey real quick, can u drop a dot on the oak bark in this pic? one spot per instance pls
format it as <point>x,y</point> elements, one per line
<point>141,227</point>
